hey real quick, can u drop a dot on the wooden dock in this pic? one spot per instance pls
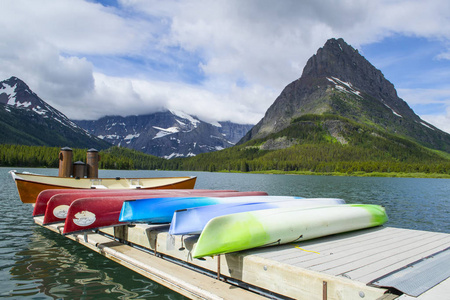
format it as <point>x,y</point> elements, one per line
<point>357,265</point>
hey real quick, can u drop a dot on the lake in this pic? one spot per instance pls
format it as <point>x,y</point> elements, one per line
<point>36,263</point>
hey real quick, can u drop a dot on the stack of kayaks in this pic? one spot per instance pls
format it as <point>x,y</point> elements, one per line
<point>193,220</point>
<point>92,213</point>
<point>226,220</point>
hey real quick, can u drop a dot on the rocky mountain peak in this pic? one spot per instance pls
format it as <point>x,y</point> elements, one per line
<point>335,58</point>
<point>15,92</point>
<point>338,80</point>
<point>35,122</point>
<point>340,60</point>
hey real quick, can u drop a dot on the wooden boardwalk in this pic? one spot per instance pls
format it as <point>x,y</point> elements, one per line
<point>363,255</point>
<point>344,266</point>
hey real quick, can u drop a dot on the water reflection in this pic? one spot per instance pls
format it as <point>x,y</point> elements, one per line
<point>36,263</point>
<point>54,266</point>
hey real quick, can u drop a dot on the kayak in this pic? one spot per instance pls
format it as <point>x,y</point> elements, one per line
<point>30,185</point>
<point>44,196</point>
<point>93,213</point>
<point>162,210</point>
<point>246,230</point>
<point>58,205</point>
<point>193,220</point>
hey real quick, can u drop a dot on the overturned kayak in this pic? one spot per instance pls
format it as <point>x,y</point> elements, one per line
<point>72,194</point>
<point>97,212</point>
<point>193,220</point>
<point>162,210</point>
<point>30,185</point>
<point>58,205</point>
<point>246,230</point>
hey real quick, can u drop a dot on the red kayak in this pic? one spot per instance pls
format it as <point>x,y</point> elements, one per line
<point>92,213</point>
<point>44,196</point>
<point>58,205</point>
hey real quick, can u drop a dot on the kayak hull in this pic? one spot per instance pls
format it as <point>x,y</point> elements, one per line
<point>92,213</point>
<point>242,231</point>
<point>72,194</point>
<point>162,210</point>
<point>193,220</point>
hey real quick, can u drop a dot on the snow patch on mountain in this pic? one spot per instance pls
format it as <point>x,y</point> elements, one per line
<point>132,136</point>
<point>183,115</point>
<point>393,111</point>
<point>344,86</point>
<point>165,131</point>
<point>426,125</point>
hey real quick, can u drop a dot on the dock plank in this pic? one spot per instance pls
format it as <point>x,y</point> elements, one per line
<point>372,259</point>
<point>363,255</point>
<point>389,265</point>
<point>340,249</point>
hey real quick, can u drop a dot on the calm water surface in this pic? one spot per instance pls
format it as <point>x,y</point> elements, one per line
<point>36,263</point>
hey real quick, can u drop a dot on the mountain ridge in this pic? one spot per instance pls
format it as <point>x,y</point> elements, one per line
<point>167,133</point>
<point>338,80</point>
<point>29,120</point>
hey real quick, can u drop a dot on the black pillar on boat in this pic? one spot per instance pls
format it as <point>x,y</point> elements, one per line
<point>79,169</point>
<point>65,162</point>
<point>92,160</point>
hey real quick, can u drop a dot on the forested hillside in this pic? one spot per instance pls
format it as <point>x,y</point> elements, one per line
<point>112,158</point>
<point>312,150</point>
<point>307,146</point>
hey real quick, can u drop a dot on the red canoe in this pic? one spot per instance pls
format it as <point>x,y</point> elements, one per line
<point>58,205</point>
<point>44,196</point>
<point>92,213</point>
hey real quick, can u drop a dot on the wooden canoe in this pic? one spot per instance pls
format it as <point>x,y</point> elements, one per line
<point>30,185</point>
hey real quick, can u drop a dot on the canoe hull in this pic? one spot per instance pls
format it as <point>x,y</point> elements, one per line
<point>242,231</point>
<point>29,185</point>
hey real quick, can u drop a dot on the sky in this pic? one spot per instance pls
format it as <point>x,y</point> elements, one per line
<point>218,60</point>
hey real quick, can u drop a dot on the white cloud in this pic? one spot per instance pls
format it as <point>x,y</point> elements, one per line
<point>128,94</point>
<point>218,59</point>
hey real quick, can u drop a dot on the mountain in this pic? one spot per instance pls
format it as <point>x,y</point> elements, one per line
<point>338,81</point>
<point>27,120</point>
<point>166,134</point>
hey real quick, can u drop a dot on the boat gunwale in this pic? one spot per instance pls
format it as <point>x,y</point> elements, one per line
<point>88,180</point>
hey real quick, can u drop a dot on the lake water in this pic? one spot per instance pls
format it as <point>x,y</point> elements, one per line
<point>36,263</point>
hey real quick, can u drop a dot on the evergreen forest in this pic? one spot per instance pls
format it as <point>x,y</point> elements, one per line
<point>308,148</point>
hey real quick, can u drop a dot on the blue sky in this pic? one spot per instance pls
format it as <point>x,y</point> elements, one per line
<point>220,60</point>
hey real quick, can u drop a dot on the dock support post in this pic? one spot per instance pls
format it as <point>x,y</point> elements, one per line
<point>218,267</point>
<point>121,233</point>
<point>325,291</point>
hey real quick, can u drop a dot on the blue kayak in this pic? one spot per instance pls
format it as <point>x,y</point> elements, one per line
<point>161,210</point>
<point>193,220</point>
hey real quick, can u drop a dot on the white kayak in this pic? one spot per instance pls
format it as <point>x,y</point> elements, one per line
<point>193,220</point>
